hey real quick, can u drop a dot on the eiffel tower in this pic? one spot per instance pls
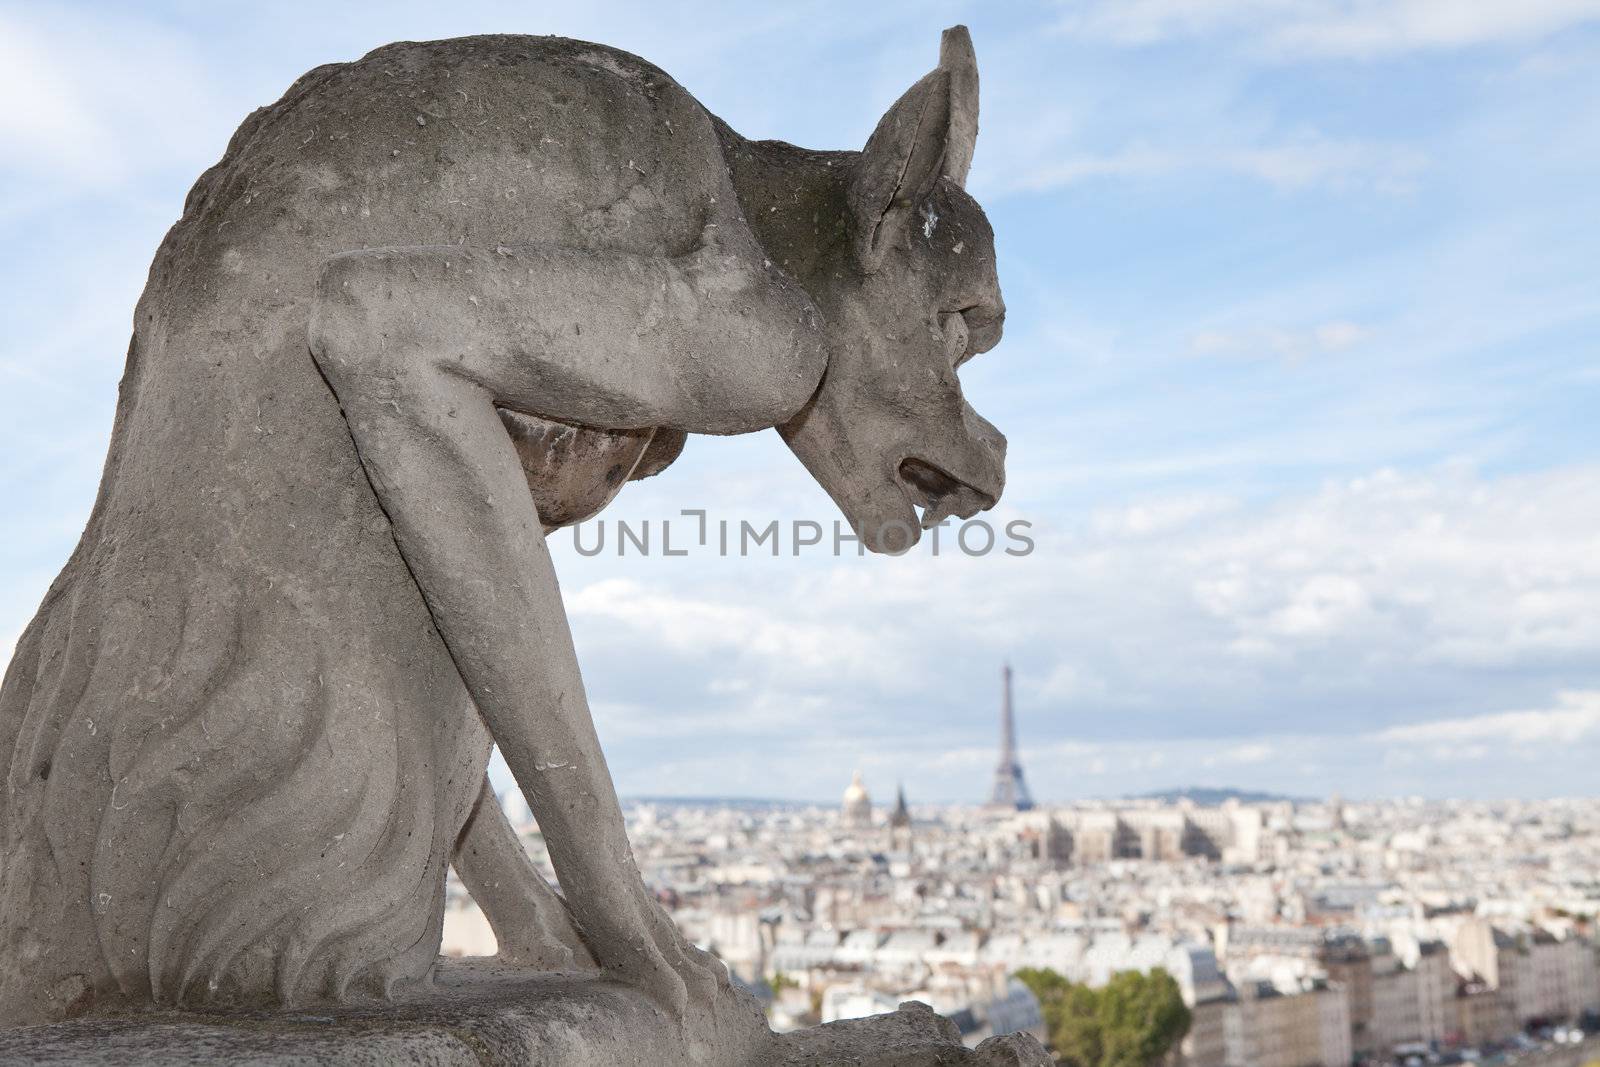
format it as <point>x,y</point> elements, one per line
<point>1010,791</point>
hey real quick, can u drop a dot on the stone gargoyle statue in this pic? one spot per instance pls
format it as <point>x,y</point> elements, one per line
<point>429,306</point>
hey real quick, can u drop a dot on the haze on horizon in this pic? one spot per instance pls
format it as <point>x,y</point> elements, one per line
<point>1300,378</point>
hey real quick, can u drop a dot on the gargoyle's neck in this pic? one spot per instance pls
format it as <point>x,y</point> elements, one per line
<point>794,201</point>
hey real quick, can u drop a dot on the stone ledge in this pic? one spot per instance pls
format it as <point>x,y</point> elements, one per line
<point>913,1036</point>
<point>481,1015</point>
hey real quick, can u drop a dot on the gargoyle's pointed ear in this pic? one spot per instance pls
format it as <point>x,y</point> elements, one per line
<point>958,60</point>
<point>929,132</point>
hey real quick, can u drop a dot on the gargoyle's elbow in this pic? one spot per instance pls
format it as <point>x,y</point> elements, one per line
<point>339,314</point>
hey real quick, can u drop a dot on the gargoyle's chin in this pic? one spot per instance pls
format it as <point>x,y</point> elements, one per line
<point>890,516</point>
<point>884,517</point>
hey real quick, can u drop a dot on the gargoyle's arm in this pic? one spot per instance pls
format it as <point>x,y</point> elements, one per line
<point>420,345</point>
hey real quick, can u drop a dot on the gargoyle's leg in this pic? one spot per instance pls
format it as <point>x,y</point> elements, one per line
<point>529,920</point>
<point>420,345</point>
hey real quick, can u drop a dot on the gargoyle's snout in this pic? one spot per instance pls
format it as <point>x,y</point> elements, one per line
<point>960,481</point>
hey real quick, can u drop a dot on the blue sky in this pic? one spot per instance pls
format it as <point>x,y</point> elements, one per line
<point>1300,376</point>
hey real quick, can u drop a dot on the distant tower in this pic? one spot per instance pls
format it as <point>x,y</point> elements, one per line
<point>856,808</point>
<point>900,824</point>
<point>1010,791</point>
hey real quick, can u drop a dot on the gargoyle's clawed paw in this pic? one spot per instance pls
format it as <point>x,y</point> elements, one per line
<point>655,958</point>
<point>552,942</point>
<point>704,976</point>
<point>652,972</point>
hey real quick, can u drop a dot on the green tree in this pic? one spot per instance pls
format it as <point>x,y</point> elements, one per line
<point>1132,1022</point>
<point>1142,1016</point>
<point>1079,1035</point>
<point>1044,983</point>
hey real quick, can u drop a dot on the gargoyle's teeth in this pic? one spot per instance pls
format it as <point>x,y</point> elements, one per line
<point>940,496</point>
<point>942,509</point>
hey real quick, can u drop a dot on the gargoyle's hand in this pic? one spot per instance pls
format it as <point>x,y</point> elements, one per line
<point>691,986</point>
<point>653,956</point>
<point>547,941</point>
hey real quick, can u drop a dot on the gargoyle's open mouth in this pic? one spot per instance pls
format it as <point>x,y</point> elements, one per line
<point>940,494</point>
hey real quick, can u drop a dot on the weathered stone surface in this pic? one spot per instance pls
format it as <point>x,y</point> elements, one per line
<point>428,305</point>
<point>481,1015</point>
<point>475,1014</point>
<point>913,1036</point>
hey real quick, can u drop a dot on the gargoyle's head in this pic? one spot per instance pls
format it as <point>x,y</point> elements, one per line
<point>888,430</point>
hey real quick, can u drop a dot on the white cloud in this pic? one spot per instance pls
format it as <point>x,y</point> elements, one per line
<point>1321,604</point>
<point>1290,345</point>
<point>1140,22</point>
<point>48,121</point>
<point>1071,683</point>
<point>1438,569</point>
<point>1357,28</point>
<point>1380,27</point>
<point>1243,637</point>
<point>1575,717</point>
<point>1253,753</point>
<point>1239,755</point>
<point>790,647</point>
<point>1296,163</point>
<point>1158,516</point>
<point>93,100</point>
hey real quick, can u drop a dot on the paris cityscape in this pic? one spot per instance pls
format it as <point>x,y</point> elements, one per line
<point>1298,931</point>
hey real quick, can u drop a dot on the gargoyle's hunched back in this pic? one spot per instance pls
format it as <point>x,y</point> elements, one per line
<point>233,728</point>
